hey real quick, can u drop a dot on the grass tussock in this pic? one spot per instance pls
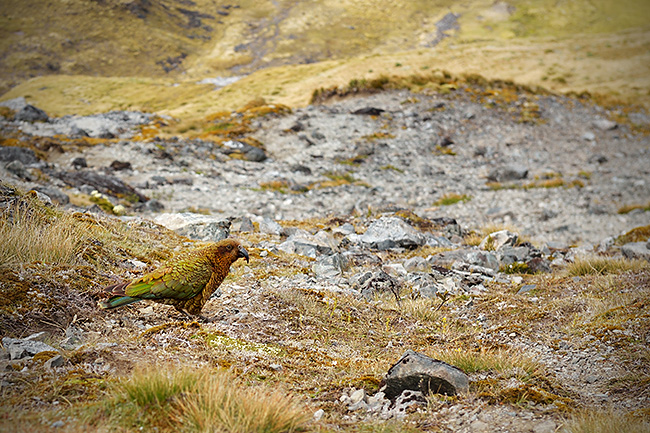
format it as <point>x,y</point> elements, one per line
<point>502,361</point>
<point>598,265</point>
<point>198,400</point>
<point>29,236</point>
<point>605,422</point>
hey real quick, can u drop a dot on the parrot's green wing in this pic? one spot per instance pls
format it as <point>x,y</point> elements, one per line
<point>181,280</point>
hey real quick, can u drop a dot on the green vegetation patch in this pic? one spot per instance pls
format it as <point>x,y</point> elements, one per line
<point>230,343</point>
<point>451,198</point>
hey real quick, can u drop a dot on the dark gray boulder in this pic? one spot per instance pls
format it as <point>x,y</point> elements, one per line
<point>417,372</point>
<point>31,114</point>
<point>14,153</point>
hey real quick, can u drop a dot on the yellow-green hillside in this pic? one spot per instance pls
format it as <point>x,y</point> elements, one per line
<point>94,56</point>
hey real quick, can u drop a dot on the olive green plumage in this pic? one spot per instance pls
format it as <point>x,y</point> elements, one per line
<point>185,282</point>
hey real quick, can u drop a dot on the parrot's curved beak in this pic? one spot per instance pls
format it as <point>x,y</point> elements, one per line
<point>241,252</point>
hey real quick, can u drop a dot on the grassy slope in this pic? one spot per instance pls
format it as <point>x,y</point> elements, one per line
<point>563,46</point>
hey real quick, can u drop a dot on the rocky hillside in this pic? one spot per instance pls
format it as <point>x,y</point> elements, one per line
<point>469,257</point>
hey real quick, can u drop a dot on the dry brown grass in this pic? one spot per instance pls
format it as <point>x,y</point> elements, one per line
<point>512,362</point>
<point>29,236</point>
<point>600,265</point>
<point>590,421</point>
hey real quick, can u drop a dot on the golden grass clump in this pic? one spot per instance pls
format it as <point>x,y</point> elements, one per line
<point>604,422</point>
<point>503,361</point>
<point>28,235</point>
<point>198,400</point>
<point>599,265</point>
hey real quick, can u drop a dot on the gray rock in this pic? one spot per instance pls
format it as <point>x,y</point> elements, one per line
<point>511,172</point>
<point>15,104</point>
<point>268,226</point>
<point>247,152</point>
<point>439,241</point>
<point>474,269</point>
<point>636,250</point>
<point>120,124</point>
<point>407,399</point>
<point>395,270</point>
<point>152,205</point>
<point>53,193</point>
<point>589,136</point>
<point>208,231</point>
<point>195,226</point>
<point>22,154</point>
<point>509,254</point>
<point>331,266</point>
<point>21,347</point>
<point>526,288</point>
<point>497,240</point>
<point>417,372</point>
<point>18,169</point>
<point>371,282</point>
<point>106,184</point>
<point>605,124</point>
<point>415,264</point>
<point>389,233</point>
<point>55,361</point>
<point>159,180</point>
<point>29,113</point>
<point>597,158</point>
<point>43,198</point>
<point>538,265</point>
<point>606,244</point>
<point>302,243</point>
<point>318,415</point>
<point>423,283</point>
<point>360,258</point>
<point>242,224</point>
<point>484,259</point>
<point>345,229</point>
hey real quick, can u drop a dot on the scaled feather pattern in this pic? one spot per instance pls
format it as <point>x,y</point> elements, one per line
<point>186,282</point>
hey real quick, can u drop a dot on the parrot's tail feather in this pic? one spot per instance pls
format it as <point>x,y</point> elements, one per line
<point>116,289</point>
<point>117,301</point>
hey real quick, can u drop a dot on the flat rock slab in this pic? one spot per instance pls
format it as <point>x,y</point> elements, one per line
<point>636,250</point>
<point>418,372</point>
<point>19,348</point>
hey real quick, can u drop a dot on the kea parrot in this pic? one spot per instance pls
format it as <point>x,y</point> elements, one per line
<point>186,282</point>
